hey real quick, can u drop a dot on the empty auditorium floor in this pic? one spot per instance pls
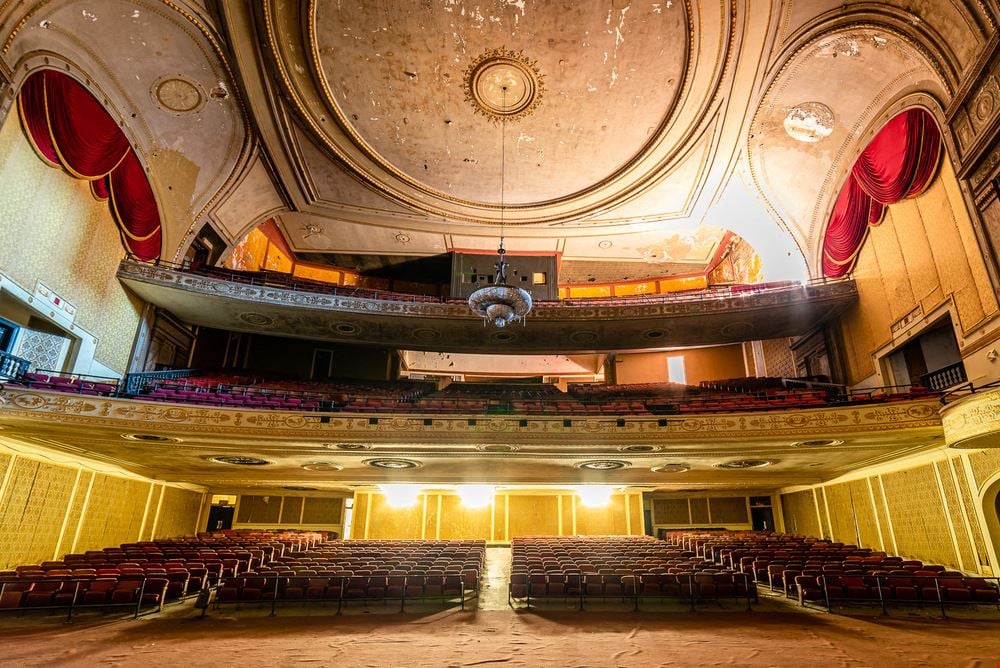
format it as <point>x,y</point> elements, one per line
<point>501,638</point>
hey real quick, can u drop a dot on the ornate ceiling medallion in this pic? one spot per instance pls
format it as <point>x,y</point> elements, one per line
<point>347,446</point>
<point>504,85</point>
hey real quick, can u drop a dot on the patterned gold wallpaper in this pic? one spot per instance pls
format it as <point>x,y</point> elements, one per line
<point>918,520</point>
<point>179,513</point>
<point>49,509</point>
<point>922,253</point>
<point>55,231</point>
<point>800,513</point>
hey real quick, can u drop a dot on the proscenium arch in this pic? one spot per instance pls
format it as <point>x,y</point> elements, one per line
<point>51,63</point>
<point>191,158</point>
<point>802,204</point>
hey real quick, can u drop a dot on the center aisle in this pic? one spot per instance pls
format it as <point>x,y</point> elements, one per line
<point>494,581</point>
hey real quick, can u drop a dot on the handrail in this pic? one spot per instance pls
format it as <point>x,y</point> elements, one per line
<point>134,383</point>
<point>965,390</point>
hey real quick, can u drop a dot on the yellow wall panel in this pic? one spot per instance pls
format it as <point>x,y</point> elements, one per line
<point>800,513</point>
<point>603,521</point>
<point>978,540</point>
<point>67,240</point>
<point>461,523</point>
<point>396,523</point>
<point>954,510</point>
<point>535,515</point>
<point>32,511</point>
<point>918,520</point>
<point>179,513</point>
<point>114,512</point>
<point>323,510</point>
<point>671,511</point>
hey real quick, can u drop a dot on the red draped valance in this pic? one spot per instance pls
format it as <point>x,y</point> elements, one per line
<point>899,162</point>
<point>69,128</point>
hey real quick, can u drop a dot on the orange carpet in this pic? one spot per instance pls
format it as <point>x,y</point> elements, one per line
<point>504,638</point>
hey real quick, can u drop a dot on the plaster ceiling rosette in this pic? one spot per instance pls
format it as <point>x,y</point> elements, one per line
<point>601,103</point>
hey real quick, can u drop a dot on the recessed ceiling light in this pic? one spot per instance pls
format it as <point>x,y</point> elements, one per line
<point>498,447</point>
<point>300,488</point>
<point>151,438</point>
<point>638,448</point>
<point>603,465</point>
<point>744,464</point>
<point>818,443</point>
<point>392,463</point>
<point>605,244</point>
<point>238,460</point>
<point>322,466</point>
<point>347,446</point>
<point>670,468</point>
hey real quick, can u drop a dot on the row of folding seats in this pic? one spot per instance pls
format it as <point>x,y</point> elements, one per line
<point>75,591</point>
<point>267,586</point>
<point>899,586</point>
<point>67,383</point>
<point>699,584</point>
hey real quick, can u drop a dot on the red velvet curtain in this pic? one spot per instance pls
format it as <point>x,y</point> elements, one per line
<point>70,128</point>
<point>899,162</point>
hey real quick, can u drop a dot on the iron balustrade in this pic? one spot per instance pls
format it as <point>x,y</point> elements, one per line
<point>13,367</point>
<point>942,379</point>
<point>135,383</point>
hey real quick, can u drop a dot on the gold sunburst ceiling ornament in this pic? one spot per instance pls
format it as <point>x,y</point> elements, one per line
<point>504,85</point>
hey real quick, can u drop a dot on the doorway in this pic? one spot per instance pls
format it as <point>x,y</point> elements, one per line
<point>322,366</point>
<point>220,518</point>
<point>931,359</point>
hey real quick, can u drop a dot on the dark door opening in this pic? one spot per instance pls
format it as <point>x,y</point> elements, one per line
<point>220,518</point>
<point>931,359</point>
<point>762,518</point>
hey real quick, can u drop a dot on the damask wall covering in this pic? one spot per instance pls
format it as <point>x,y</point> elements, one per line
<point>67,240</point>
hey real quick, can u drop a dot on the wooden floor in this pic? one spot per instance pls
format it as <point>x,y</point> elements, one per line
<point>502,638</point>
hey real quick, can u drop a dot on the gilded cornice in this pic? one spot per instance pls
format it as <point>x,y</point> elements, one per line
<point>23,405</point>
<point>973,422</point>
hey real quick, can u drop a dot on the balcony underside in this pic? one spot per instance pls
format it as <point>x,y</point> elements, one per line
<point>552,328</point>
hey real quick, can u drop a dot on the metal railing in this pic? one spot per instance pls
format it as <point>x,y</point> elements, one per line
<point>965,390</point>
<point>134,383</point>
<point>12,367</point>
<point>942,379</point>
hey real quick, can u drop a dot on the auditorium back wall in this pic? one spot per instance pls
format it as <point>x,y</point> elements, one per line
<point>440,515</point>
<point>50,508</point>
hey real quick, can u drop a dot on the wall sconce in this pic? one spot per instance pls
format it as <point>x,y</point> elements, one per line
<point>992,355</point>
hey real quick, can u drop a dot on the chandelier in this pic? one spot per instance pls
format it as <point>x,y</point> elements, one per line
<point>501,304</point>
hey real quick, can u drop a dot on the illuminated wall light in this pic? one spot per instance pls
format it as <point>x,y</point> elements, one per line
<point>400,496</point>
<point>475,496</point>
<point>594,496</point>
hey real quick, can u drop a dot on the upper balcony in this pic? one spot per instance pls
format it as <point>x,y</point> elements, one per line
<point>282,305</point>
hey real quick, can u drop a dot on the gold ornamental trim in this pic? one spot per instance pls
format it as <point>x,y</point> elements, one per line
<point>973,422</point>
<point>517,75</point>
